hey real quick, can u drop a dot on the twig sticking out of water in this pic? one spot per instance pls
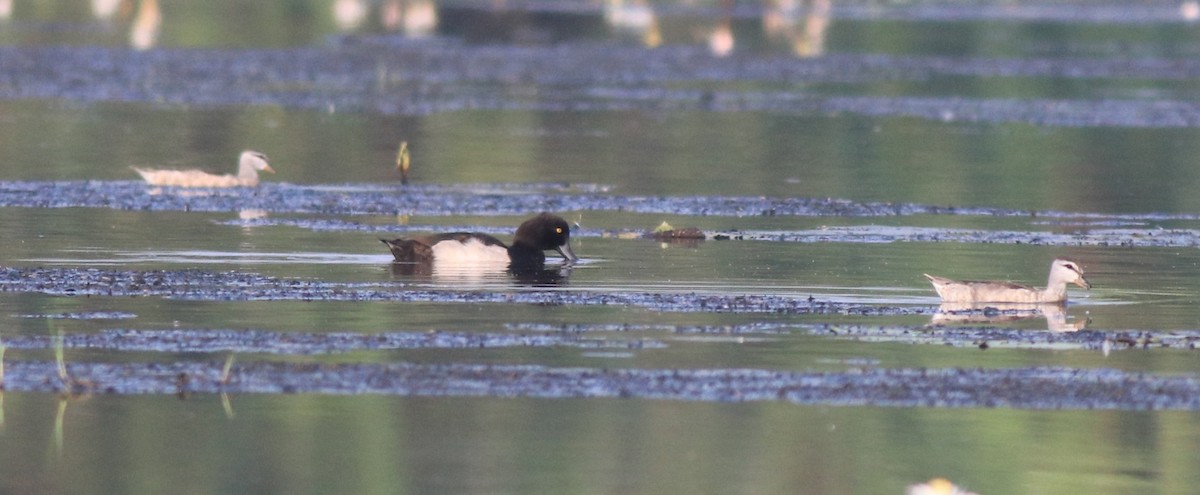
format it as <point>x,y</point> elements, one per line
<point>227,405</point>
<point>2,349</point>
<point>58,425</point>
<point>60,358</point>
<point>403,161</point>
<point>227,370</point>
<point>226,375</point>
<point>71,386</point>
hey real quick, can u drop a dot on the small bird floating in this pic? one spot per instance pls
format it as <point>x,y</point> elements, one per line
<point>1062,272</point>
<point>249,164</point>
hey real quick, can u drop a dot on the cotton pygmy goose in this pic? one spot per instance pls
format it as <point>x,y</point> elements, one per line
<point>249,164</point>
<point>1062,272</point>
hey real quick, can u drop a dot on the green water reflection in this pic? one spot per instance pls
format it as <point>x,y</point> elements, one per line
<point>304,444</point>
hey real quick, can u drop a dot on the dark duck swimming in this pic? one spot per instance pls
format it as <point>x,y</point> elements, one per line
<point>534,237</point>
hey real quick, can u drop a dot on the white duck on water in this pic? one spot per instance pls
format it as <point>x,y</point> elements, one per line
<point>249,164</point>
<point>1062,272</point>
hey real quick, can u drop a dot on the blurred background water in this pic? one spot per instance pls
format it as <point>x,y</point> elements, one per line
<point>1080,110</point>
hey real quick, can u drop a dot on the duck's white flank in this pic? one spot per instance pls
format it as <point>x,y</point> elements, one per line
<point>472,252</point>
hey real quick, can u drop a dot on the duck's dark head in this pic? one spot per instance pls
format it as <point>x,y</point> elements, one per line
<point>545,232</point>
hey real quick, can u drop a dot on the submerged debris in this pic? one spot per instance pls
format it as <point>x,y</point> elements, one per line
<point>684,234</point>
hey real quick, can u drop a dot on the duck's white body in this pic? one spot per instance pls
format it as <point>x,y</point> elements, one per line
<point>249,164</point>
<point>471,252</point>
<point>1062,272</point>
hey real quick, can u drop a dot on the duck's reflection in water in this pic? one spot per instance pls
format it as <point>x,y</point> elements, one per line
<point>248,214</point>
<point>543,277</point>
<point>972,313</point>
<point>484,274</point>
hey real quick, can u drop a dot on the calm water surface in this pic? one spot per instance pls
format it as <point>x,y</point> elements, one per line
<point>383,444</point>
<point>1140,178</point>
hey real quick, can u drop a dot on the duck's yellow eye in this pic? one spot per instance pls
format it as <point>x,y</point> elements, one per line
<point>557,230</point>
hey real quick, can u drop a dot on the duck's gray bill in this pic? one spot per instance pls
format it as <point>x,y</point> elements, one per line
<point>565,251</point>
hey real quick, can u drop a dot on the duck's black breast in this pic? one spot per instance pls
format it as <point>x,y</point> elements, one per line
<point>454,246</point>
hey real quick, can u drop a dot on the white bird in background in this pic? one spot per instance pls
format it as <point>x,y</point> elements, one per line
<point>1062,272</point>
<point>249,164</point>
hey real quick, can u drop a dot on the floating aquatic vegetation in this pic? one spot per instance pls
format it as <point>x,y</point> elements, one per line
<point>373,199</point>
<point>1022,388</point>
<point>507,199</point>
<point>665,232</point>
<point>297,343</point>
<point>1141,237</point>
<point>238,286</point>
<point>88,315</point>
<point>996,336</point>
<point>757,328</point>
<point>572,335</point>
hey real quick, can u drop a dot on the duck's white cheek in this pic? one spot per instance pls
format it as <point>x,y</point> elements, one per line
<point>472,252</point>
